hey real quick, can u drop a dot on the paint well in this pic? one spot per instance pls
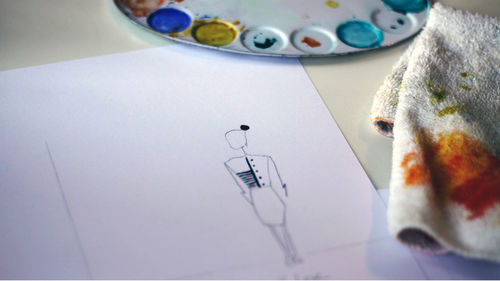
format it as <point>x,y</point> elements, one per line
<point>169,20</point>
<point>360,34</point>
<point>264,40</point>
<point>268,43</point>
<point>314,40</point>
<point>407,6</point>
<point>311,42</point>
<point>215,33</point>
<point>390,21</point>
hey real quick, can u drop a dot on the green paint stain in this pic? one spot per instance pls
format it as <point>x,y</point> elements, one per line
<point>449,110</point>
<point>438,94</point>
<point>467,88</point>
<point>466,75</point>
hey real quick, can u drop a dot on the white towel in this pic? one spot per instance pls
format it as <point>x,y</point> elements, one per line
<point>441,104</point>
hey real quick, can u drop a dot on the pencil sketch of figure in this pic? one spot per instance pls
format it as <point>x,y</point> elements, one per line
<point>260,183</point>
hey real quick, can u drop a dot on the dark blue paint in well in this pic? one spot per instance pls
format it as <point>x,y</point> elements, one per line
<point>168,20</point>
<point>407,6</point>
<point>360,34</point>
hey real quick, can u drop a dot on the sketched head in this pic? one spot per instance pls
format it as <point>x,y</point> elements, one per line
<point>237,138</point>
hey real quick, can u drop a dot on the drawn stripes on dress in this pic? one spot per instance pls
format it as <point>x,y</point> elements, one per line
<point>248,178</point>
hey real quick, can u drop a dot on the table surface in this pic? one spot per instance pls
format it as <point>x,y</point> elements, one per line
<point>35,33</point>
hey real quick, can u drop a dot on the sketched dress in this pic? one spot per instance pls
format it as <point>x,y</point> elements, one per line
<point>257,173</point>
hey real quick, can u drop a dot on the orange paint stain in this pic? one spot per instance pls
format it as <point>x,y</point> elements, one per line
<point>311,42</point>
<point>415,172</point>
<point>458,167</point>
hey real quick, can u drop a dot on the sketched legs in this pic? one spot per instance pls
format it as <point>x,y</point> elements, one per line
<point>270,209</point>
<point>284,239</point>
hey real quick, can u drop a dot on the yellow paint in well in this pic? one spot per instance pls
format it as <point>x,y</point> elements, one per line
<point>215,33</point>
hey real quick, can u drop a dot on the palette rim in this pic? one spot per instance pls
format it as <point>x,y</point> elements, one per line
<point>379,24</point>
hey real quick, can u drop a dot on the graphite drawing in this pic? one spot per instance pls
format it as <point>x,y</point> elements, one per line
<point>260,183</point>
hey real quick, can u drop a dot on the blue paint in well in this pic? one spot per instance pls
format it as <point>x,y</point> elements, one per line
<point>407,6</point>
<point>360,34</point>
<point>168,20</point>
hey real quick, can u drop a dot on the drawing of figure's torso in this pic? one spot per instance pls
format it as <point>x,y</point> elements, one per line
<point>256,173</point>
<point>253,170</point>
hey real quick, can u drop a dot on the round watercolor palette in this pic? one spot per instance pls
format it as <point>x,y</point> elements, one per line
<point>293,28</point>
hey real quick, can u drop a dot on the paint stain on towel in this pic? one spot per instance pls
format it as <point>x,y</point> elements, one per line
<point>415,172</point>
<point>459,168</point>
<point>466,75</point>
<point>438,94</point>
<point>332,4</point>
<point>449,110</point>
<point>465,87</point>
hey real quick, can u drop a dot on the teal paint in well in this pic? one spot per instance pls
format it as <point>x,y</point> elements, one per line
<point>360,34</point>
<point>407,6</point>
<point>269,42</point>
<point>168,20</point>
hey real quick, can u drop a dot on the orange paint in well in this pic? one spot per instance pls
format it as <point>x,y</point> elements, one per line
<point>311,42</point>
<point>459,167</point>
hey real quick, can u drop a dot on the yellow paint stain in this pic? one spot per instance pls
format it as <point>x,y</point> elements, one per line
<point>184,33</point>
<point>332,4</point>
<point>465,87</point>
<point>449,110</point>
<point>215,33</point>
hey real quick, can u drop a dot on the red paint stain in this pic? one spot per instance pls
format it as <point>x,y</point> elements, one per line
<point>459,167</point>
<point>141,8</point>
<point>479,194</point>
<point>311,42</point>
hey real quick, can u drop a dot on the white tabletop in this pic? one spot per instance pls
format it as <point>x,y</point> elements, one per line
<point>42,32</point>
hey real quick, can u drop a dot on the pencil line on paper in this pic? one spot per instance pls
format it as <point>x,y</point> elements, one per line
<point>66,206</point>
<point>426,276</point>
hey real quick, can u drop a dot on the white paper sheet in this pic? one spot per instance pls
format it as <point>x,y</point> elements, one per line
<point>113,167</point>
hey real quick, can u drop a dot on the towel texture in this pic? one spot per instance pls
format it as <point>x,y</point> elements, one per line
<point>441,104</point>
